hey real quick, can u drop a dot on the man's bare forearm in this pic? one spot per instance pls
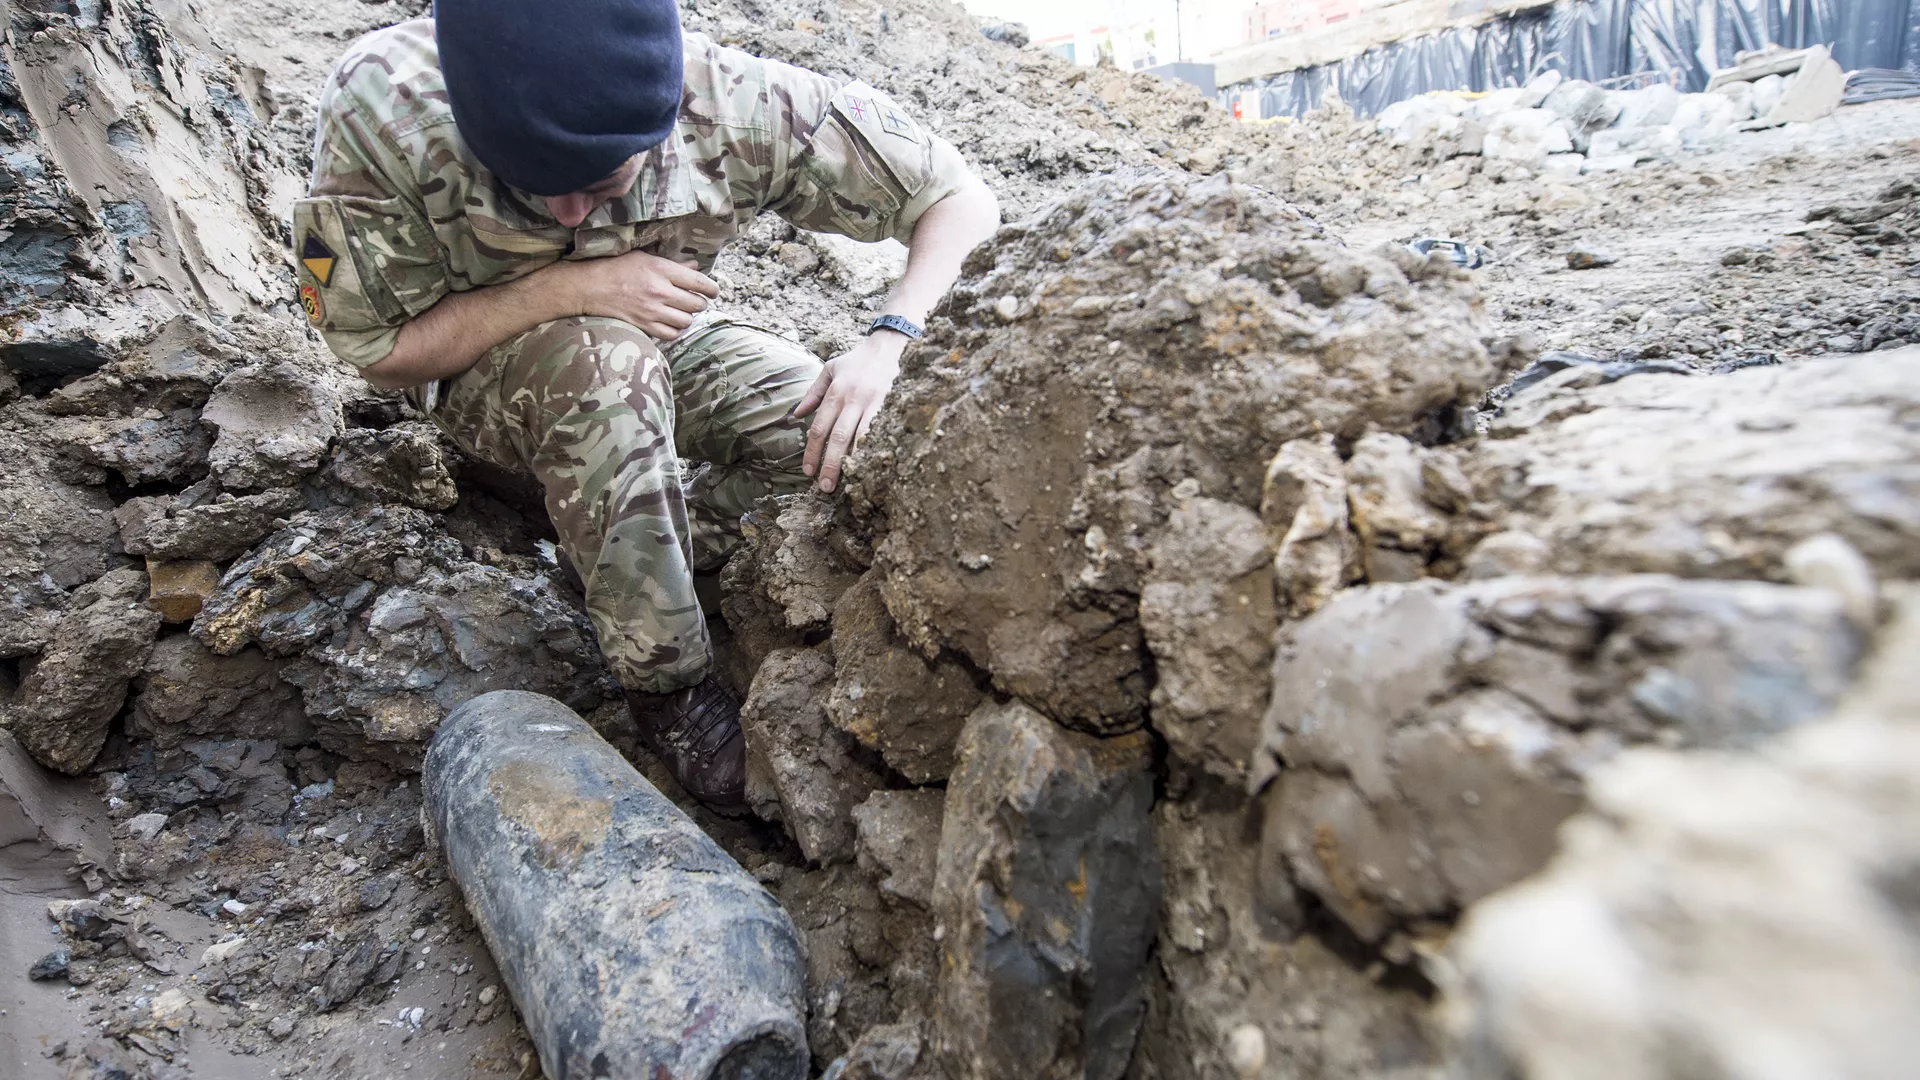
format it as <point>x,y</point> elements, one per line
<point>451,335</point>
<point>942,239</point>
<point>848,394</point>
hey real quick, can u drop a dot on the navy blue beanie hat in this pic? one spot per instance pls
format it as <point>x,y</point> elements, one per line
<point>553,95</point>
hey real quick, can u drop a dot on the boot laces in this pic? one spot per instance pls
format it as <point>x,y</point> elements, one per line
<point>704,718</point>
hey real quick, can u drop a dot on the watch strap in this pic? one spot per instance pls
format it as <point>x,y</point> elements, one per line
<point>895,322</point>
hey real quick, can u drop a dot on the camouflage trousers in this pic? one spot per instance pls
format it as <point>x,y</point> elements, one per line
<point>648,455</point>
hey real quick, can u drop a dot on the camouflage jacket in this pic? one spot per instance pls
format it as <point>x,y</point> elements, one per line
<point>400,213</point>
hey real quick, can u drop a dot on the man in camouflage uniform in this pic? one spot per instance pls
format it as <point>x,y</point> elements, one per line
<point>510,233</point>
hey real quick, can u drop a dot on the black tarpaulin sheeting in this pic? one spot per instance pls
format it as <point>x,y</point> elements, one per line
<point>1680,42</point>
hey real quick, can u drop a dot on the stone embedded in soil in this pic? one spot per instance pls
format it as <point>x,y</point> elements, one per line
<point>145,826</point>
<point>801,770</point>
<point>1829,562</point>
<point>883,1052</point>
<point>51,966</point>
<point>57,536</point>
<point>150,448</point>
<point>1769,891</point>
<point>1229,959</point>
<point>358,966</point>
<point>1400,495</point>
<point>178,589</point>
<point>84,920</point>
<point>176,367</point>
<point>1435,736</point>
<point>1713,477</point>
<point>888,696</point>
<point>76,687</point>
<point>899,841</point>
<point>202,522</point>
<point>186,691</point>
<point>377,891</point>
<point>1304,500</point>
<point>275,424</point>
<point>1046,896</point>
<point>1026,466</point>
<point>401,464</point>
<point>172,1010</point>
<point>783,581</point>
<point>389,626</point>
<point>1207,610</point>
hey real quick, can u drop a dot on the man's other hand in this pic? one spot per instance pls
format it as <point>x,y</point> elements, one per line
<point>844,400</point>
<point>658,295</point>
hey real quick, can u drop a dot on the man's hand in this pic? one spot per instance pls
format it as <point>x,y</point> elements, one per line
<point>659,296</point>
<point>844,400</point>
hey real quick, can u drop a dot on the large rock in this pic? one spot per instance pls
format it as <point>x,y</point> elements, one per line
<point>1406,504</point>
<point>202,522</point>
<point>276,423</point>
<point>1434,737</point>
<point>149,447</point>
<point>56,536</point>
<point>1208,613</point>
<point>1586,108</point>
<point>400,464</point>
<point>801,771</point>
<point>781,584</point>
<point>1144,333</point>
<point>177,368</point>
<point>1046,897</point>
<point>1712,477</point>
<point>188,691</point>
<point>899,841</point>
<point>1527,136</point>
<point>388,626</point>
<point>70,693</point>
<point>1813,92</point>
<point>1649,107</point>
<point>891,698</point>
<point>1729,915</point>
<point>179,589</point>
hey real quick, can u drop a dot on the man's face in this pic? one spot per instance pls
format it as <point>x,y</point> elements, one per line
<point>572,209</point>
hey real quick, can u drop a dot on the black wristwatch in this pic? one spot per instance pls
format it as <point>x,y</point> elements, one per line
<point>894,322</point>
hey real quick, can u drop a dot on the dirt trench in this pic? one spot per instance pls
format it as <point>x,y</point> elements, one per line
<point>1243,649</point>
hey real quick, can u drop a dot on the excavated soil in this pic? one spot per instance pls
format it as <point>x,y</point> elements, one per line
<point>1212,635</point>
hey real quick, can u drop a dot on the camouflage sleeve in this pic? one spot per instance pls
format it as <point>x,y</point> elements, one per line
<point>367,260</point>
<point>870,170</point>
<point>367,267</point>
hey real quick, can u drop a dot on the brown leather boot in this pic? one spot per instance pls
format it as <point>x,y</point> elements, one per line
<point>696,731</point>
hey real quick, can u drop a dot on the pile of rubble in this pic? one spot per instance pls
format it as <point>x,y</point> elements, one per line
<point>1559,127</point>
<point>1196,658</point>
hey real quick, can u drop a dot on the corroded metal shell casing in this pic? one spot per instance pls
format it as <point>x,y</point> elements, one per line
<point>635,948</point>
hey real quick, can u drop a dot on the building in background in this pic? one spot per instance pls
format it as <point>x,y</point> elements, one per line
<point>1139,33</point>
<point>1259,22</point>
